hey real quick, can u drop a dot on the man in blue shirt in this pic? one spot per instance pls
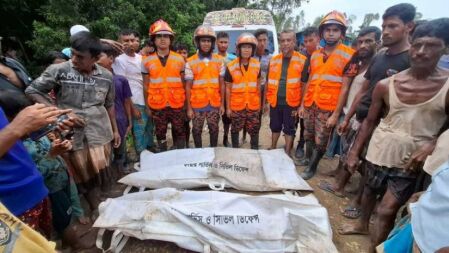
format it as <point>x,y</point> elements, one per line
<point>22,188</point>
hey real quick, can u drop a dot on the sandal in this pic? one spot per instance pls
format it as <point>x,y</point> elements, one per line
<point>326,186</point>
<point>352,212</point>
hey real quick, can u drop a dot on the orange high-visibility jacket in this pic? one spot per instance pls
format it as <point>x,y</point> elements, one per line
<point>293,79</point>
<point>205,88</point>
<point>326,78</point>
<point>165,87</point>
<point>244,92</point>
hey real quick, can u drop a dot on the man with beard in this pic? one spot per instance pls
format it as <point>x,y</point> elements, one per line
<point>396,27</point>
<point>412,107</point>
<point>326,90</point>
<point>367,42</point>
<point>163,73</point>
<point>205,86</point>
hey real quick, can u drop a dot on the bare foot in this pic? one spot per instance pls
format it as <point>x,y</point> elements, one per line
<point>326,186</point>
<point>353,229</point>
<point>331,173</point>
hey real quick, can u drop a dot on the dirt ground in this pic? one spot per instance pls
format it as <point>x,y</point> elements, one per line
<point>334,205</point>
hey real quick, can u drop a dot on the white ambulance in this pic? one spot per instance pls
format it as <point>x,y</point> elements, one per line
<point>239,20</point>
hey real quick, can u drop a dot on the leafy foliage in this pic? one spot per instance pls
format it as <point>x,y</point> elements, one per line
<point>368,19</point>
<point>107,18</point>
<point>282,12</point>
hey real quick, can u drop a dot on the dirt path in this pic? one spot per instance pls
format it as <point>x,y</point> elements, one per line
<point>334,205</point>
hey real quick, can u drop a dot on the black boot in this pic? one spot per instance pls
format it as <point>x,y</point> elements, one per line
<point>162,145</point>
<point>225,140</point>
<point>308,154</point>
<point>254,141</point>
<point>299,154</point>
<point>198,141</point>
<point>235,140</point>
<point>213,139</point>
<point>310,170</point>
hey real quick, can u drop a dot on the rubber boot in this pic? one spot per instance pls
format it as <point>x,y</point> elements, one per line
<point>181,143</point>
<point>213,139</point>
<point>299,153</point>
<point>310,170</point>
<point>198,141</point>
<point>235,140</point>
<point>307,155</point>
<point>254,141</point>
<point>162,145</point>
<point>225,140</point>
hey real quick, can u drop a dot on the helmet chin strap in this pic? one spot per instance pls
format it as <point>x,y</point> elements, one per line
<point>331,43</point>
<point>206,54</point>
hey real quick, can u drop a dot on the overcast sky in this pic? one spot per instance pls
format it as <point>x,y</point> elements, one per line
<point>429,8</point>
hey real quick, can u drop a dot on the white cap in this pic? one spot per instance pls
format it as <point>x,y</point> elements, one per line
<point>78,28</point>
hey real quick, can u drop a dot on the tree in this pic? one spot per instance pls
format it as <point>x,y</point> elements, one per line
<point>281,11</point>
<point>418,16</point>
<point>106,18</point>
<point>349,21</point>
<point>369,17</point>
<point>317,21</point>
<point>218,5</point>
<point>17,21</point>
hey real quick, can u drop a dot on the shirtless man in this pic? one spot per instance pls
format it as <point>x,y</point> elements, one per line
<point>412,107</point>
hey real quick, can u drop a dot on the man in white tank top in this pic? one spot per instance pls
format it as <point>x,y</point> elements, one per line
<point>413,107</point>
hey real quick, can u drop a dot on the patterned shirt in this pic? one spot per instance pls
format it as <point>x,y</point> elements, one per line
<point>87,96</point>
<point>53,169</point>
<point>264,65</point>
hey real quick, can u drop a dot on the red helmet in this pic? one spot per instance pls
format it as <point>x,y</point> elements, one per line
<point>334,17</point>
<point>204,31</point>
<point>161,27</point>
<point>246,38</point>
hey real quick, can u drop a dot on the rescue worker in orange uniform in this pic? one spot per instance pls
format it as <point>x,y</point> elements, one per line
<point>205,90</point>
<point>326,90</point>
<point>163,73</point>
<point>283,91</point>
<point>243,91</point>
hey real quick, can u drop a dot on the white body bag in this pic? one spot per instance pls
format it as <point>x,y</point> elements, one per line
<point>212,221</point>
<point>217,168</point>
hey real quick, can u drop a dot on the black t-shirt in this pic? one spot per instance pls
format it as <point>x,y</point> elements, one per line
<point>163,59</point>
<point>382,66</point>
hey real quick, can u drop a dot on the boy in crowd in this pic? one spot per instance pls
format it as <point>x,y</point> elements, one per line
<point>123,106</point>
